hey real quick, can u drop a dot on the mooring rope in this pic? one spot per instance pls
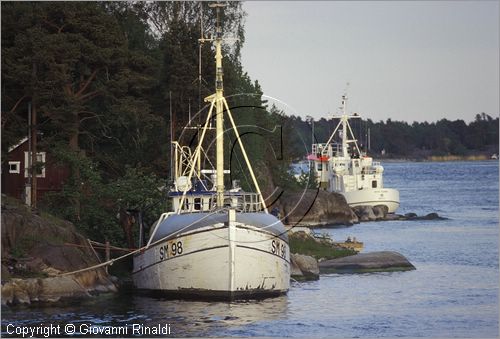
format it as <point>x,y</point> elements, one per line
<point>106,263</point>
<point>102,246</point>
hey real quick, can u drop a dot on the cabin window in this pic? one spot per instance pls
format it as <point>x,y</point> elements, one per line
<point>14,167</point>
<point>186,204</point>
<point>374,184</point>
<point>197,204</point>
<point>320,167</point>
<point>40,167</point>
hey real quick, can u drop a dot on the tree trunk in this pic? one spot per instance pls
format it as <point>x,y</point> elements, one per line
<point>34,161</point>
<point>33,127</point>
<point>73,145</point>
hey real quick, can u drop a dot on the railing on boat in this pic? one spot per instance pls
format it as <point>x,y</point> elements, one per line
<point>240,201</point>
<point>330,150</point>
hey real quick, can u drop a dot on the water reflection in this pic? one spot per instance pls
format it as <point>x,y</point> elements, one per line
<point>186,318</point>
<point>208,318</point>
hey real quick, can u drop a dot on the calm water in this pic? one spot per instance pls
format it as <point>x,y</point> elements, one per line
<point>453,292</point>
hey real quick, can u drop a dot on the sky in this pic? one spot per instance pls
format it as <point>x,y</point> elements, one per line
<point>403,60</point>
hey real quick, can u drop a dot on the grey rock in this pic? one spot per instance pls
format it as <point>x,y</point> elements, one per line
<point>411,215</point>
<point>41,258</point>
<point>367,262</point>
<point>433,216</point>
<point>304,267</point>
<point>430,216</point>
<point>365,213</point>
<point>380,211</point>
<point>52,289</point>
<point>295,271</point>
<point>316,208</point>
<point>354,217</point>
<point>393,216</point>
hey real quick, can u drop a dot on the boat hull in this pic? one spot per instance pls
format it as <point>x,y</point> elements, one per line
<point>220,261</point>
<point>373,197</point>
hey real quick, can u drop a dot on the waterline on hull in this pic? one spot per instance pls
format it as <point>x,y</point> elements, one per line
<point>387,196</point>
<point>253,264</point>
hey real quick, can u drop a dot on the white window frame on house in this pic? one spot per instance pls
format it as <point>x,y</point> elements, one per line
<point>41,158</point>
<point>15,170</point>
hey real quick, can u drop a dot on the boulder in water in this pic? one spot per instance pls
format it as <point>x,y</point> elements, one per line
<point>432,216</point>
<point>380,211</point>
<point>367,262</point>
<point>304,267</point>
<point>411,216</point>
<point>365,213</point>
<point>393,216</point>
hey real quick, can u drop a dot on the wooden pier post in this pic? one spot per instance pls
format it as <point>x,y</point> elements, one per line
<point>108,256</point>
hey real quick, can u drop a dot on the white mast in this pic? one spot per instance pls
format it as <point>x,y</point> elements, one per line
<point>344,126</point>
<point>218,102</point>
<point>219,110</point>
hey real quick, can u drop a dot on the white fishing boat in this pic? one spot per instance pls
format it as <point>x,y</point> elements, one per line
<point>215,243</point>
<point>340,166</point>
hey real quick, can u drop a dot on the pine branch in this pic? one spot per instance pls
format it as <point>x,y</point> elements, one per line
<point>92,117</point>
<point>12,110</point>
<point>59,28</point>
<point>87,83</point>
<point>17,104</point>
<point>68,90</point>
<point>89,96</point>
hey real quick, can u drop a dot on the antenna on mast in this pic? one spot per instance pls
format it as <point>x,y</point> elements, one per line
<point>200,79</point>
<point>199,56</point>
<point>344,99</point>
<point>219,107</point>
<point>171,137</point>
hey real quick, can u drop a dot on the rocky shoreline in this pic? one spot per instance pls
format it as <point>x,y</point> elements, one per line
<point>330,258</point>
<point>318,208</point>
<point>35,251</point>
<point>379,213</point>
<point>36,255</point>
<point>56,289</point>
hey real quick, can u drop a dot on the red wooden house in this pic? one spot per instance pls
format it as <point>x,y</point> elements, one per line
<point>15,173</point>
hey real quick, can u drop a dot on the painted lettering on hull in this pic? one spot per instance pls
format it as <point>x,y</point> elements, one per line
<point>170,249</point>
<point>278,247</point>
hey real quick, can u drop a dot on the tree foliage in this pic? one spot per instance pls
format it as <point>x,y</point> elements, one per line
<point>102,77</point>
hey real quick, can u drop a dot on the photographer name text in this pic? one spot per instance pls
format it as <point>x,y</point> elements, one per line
<point>50,330</point>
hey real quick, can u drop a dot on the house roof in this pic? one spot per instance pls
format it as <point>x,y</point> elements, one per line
<point>22,141</point>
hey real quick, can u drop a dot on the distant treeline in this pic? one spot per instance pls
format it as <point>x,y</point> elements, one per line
<point>399,139</point>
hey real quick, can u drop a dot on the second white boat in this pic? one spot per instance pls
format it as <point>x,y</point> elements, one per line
<point>340,166</point>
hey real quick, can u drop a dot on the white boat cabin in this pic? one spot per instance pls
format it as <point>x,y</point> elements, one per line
<point>200,199</point>
<point>337,173</point>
